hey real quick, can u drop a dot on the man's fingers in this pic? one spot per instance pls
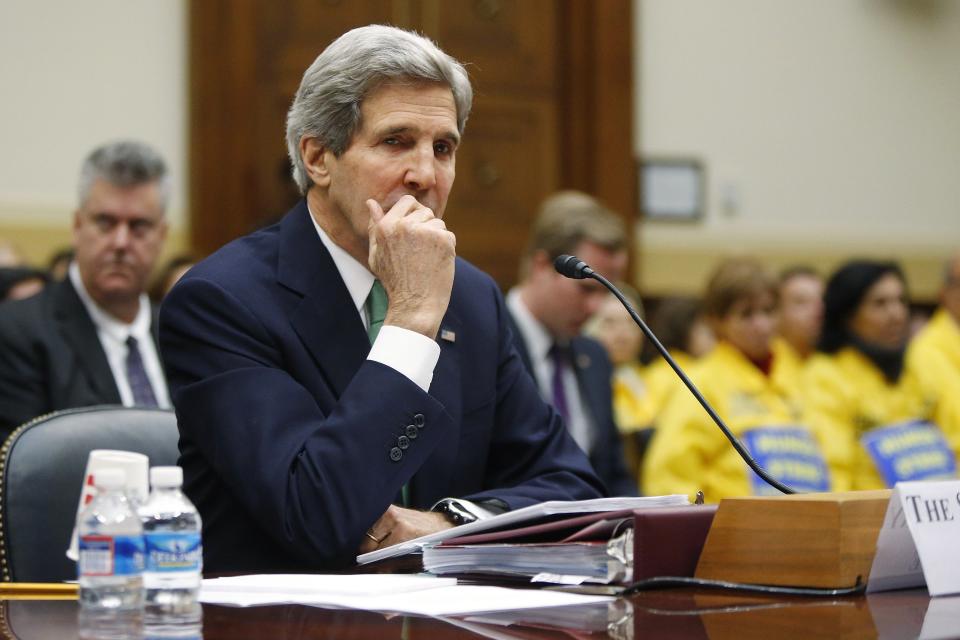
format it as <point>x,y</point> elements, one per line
<point>376,211</point>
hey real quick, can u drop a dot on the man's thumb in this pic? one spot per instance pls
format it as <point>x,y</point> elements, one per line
<point>376,211</point>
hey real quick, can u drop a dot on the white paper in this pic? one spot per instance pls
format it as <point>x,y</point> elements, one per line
<point>896,564</point>
<point>932,512</point>
<point>314,584</point>
<point>527,514</point>
<point>387,593</point>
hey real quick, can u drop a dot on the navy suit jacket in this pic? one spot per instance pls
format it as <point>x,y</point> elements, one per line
<point>51,357</point>
<point>293,443</point>
<point>594,374</point>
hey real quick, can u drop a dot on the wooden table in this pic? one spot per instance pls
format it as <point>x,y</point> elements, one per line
<point>678,613</point>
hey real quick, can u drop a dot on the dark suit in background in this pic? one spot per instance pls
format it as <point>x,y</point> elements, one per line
<point>594,372</point>
<point>51,357</point>
<point>293,443</point>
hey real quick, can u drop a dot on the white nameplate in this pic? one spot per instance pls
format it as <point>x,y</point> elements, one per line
<point>918,541</point>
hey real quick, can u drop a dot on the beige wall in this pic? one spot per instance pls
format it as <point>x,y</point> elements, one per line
<point>835,124</point>
<point>74,75</point>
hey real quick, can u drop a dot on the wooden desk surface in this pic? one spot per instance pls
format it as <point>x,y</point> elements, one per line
<point>662,614</point>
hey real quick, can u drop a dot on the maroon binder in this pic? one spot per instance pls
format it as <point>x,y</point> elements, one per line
<point>667,540</point>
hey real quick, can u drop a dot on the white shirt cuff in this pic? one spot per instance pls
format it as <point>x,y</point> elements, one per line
<point>410,353</point>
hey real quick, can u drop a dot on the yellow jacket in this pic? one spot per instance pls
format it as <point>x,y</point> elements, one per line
<point>662,380</point>
<point>846,396</point>
<point>788,369</point>
<point>689,452</point>
<point>633,407</point>
<point>934,358</point>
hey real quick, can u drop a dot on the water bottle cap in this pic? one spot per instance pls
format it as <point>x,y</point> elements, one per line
<point>109,478</point>
<point>166,476</point>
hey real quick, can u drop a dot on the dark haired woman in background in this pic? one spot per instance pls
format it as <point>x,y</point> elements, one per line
<point>874,421</point>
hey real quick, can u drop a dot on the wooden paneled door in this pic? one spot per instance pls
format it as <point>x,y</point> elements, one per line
<point>552,109</point>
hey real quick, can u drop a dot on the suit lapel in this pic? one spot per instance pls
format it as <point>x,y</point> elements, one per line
<point>80,333</point>
<point>520,344</point>
<point>325,319</point>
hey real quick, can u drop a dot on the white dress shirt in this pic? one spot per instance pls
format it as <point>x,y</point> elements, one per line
<point>539,341</point>
<point>113,335</point>
<point>410,353</point>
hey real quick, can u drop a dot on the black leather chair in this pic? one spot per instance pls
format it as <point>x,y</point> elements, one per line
<point>41,471</point>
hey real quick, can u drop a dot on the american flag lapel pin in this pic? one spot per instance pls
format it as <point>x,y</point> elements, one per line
<point>448,335</point>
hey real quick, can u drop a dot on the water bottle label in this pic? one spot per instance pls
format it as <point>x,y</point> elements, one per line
<point>173,551</point>
<point>111,555</point>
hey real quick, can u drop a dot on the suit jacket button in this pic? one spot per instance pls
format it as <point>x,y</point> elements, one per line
<point>419,420</point>
<point>396,454</point>
<point>403,442</point>
<point>412,432</point>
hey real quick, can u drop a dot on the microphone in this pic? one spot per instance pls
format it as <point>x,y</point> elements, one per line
<point>573,267</point>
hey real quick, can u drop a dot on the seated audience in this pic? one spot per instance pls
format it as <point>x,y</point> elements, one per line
<point>679,324</point>
<point>934,354</point>
<point>858,396</point>
<point>547,312</point>
<point>59,263</point>
<point>90,338</point>
<point>169,275</point>
<point>613,327</point>
<point>17,283</point>
<point>739,379</point>
<point>799,318</point>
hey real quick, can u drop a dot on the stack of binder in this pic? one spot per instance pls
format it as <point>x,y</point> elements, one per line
<point>608,548</point>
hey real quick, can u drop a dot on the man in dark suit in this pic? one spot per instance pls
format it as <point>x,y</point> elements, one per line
<point>342,381</point>
<point>547,312</point>
<point>91,339</point>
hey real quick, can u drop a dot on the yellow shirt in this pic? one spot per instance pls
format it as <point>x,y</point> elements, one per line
<point>788,369</point>
<point>689,452</point>
<point>633,408</point>
<point>934,358</point>
<point>662,380</point>
<point>846,396</point>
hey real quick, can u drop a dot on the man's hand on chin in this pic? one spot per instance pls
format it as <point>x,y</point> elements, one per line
<point>398,525</point>
<point>412,254</point>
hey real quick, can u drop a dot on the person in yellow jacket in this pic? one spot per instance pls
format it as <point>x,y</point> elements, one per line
<point>873,418</point>
<point>640,392</point>
<point>799,318</point>
<point>934,354</point>
<point>679,324</point>
<point>633,414</point>
<point>738,379</point>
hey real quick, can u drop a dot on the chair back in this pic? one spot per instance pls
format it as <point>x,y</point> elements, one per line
<point>41,474</point>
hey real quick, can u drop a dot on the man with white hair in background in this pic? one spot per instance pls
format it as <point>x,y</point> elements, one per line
<point>91,339</point>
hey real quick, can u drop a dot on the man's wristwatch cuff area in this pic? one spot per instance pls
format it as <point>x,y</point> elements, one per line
<point>458,511</point>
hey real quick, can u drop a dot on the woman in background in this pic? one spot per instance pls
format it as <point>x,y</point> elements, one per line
<point>869,414</point>
<point>739,379</point>
<point>680,326</point>
<point>633,411</point>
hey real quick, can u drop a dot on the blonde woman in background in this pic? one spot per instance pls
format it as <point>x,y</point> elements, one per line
<point>739,378</point>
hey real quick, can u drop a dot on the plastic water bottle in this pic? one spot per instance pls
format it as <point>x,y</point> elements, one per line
<point>110,566</point>
<point>174,554</point>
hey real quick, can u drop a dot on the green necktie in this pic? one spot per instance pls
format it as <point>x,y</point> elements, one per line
<point>376,307</point>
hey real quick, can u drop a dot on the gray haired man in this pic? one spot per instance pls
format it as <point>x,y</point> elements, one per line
<point>343,381</point>
<point>91,339</point>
